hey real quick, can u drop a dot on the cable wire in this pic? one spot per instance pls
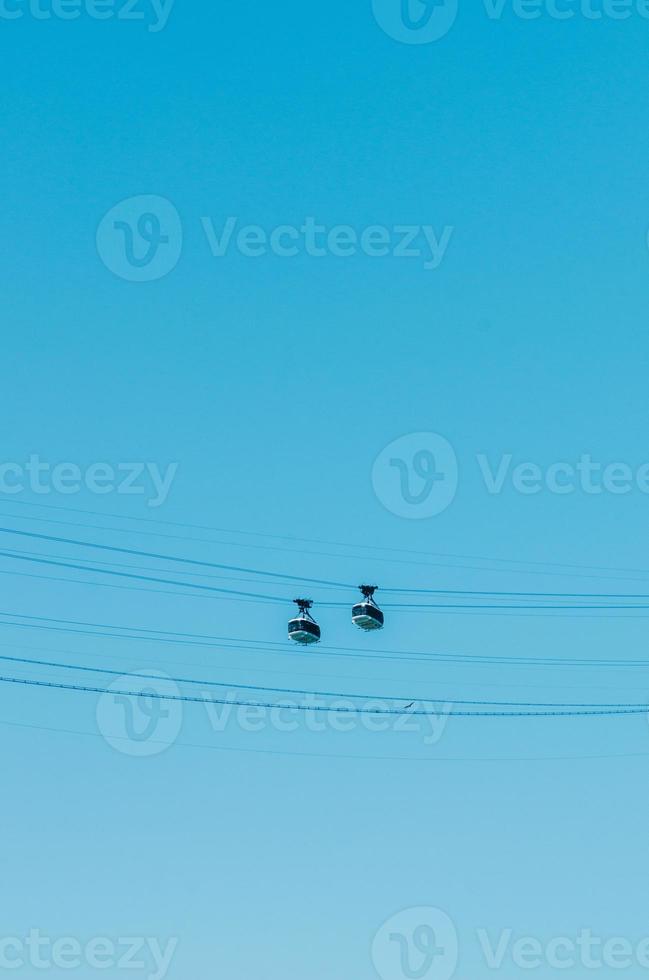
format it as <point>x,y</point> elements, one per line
<point>285,649</point>
<point>315,581</point>
<point>318,541</point>
<point>336,709</point>
<point>308,693</point>
<point>220,590</point>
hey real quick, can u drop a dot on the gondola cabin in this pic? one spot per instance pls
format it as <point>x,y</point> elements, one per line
<point>303,628</point>
<point>366,614</point>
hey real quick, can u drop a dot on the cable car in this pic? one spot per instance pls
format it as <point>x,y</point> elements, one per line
<point>304,629</point>
<point>367,614</point>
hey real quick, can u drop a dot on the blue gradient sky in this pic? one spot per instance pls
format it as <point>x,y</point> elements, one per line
<point>274,383</point>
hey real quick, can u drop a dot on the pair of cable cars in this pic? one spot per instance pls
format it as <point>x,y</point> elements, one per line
<point>365,614</point>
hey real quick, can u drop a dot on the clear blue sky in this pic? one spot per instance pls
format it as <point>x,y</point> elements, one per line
<point>275,383</point>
